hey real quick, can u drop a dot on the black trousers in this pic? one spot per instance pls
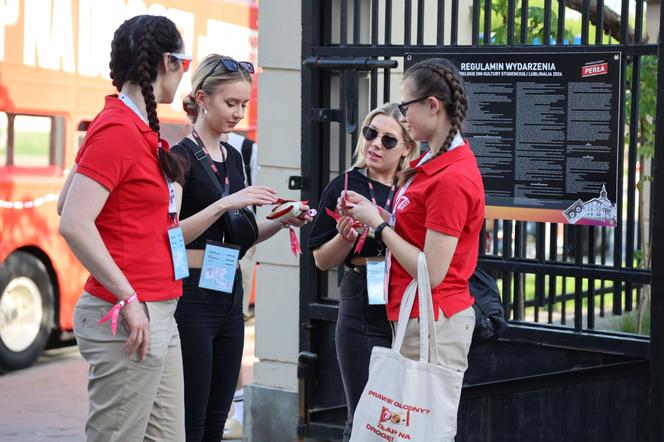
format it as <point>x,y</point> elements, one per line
<point>211,328</point>
<point>360,327</point>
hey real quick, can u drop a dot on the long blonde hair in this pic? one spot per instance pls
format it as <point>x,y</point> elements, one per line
<point>206,80</point>
<point>391,110</point>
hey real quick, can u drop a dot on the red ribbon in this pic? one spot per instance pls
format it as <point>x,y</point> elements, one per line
<point>114,312</point>
<point>294,243</point>
<point>363,237</point>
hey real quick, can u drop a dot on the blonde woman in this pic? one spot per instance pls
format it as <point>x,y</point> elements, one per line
<point>383,149</point>
<point>209,315</point>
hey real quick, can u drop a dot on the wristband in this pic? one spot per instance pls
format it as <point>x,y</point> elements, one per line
<point>114,312</point>
<point>378,231</point>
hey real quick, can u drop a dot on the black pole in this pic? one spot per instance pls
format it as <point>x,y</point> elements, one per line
<point>657,302</point>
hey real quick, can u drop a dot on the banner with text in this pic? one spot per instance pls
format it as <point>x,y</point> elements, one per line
<point>545,130</point>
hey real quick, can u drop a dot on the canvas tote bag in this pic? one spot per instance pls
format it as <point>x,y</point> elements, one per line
<point>407,400</point>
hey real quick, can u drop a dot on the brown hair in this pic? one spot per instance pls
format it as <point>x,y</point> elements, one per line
<point>391,110</point>
<point>209,75</point>
<point>438,77</point>
<point>137,49</point>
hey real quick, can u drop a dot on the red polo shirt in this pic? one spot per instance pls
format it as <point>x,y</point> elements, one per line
<point>446,195</point>
<point>120,153</point>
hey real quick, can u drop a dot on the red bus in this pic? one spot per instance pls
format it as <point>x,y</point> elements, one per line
<point>54,58</point>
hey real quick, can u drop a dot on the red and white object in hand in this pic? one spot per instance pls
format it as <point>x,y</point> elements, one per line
<point>290,210</point>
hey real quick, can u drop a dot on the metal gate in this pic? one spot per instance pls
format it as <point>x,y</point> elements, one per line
<point>567,289</point>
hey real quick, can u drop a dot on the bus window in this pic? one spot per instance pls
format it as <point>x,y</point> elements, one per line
<point>3,139</point>
<point>32,141</point>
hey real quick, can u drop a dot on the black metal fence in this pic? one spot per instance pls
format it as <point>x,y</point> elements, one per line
<point>552,276</point>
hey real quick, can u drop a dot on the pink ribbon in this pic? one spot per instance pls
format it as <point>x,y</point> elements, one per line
<point>114,312</point>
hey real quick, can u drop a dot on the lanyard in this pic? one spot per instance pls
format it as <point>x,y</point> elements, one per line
<point>388,202</point>
<point>172,208</point>
<point>226,181</point>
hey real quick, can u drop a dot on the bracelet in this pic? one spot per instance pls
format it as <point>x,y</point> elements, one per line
<point>114,312</point>
<point>378,231</point>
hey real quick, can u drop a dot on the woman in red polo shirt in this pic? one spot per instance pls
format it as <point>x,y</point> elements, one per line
<point>117,217</point>
<point>439,209</point>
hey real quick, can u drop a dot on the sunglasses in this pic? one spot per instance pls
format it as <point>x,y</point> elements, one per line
<point>403,106</point>
<point>184,58</point>
<point>388,141</point>
<point>231,66</point>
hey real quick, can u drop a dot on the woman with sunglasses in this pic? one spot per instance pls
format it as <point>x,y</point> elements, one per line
<point>117,217</point>
<point>439,209</point>
<point>209,315</point>
<point>383,149</point>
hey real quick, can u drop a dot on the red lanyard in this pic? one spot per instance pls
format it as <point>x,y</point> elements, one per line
<point>388,206</point>
<point>388,203</point>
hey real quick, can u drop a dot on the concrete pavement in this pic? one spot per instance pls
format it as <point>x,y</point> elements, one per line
<point>49,402</point>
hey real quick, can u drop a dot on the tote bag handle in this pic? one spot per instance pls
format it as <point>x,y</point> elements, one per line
<point>422,286</point>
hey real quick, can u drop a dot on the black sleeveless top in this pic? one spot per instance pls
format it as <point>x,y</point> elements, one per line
<point>198,192</point>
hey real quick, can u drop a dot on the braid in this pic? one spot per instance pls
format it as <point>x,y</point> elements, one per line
<point>450,91</point>
<point>120,65</point>
<point>146,74</point>
<point>136,53</point>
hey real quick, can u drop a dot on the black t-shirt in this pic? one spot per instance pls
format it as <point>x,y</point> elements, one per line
<point>199,192</point>
<point>325,227</point>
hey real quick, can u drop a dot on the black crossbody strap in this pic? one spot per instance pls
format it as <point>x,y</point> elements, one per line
<point>205,160</point>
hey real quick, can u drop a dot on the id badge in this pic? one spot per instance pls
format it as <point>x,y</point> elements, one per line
<point>376,281</point>
<point>178,253</point>
<point>219,267</point>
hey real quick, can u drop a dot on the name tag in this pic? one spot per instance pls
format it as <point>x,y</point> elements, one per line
<point>178,253</point>
<point>376,281</point>
<point>219,267</point>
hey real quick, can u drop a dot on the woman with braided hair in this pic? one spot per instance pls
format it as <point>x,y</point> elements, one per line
<point>439,209</point>
<point>120,218</point>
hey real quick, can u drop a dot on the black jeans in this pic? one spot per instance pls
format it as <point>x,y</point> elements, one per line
<point>360,327</point>
<point>211,328</point>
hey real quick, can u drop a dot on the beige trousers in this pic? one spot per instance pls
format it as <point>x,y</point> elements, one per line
<point>454,335</point>
<point>131,400</point>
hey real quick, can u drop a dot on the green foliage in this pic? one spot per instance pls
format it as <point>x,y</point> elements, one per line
<point>627,322</point>
<point>535,25</point>
<point>647,103</point>
<point>638,257</point>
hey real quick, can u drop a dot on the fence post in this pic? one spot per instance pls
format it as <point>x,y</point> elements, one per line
<point>657,285</point>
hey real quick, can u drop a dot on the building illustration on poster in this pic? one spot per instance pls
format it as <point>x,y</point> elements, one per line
<point>597,211</point>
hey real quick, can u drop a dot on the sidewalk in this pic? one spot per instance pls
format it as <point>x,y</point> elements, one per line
<point>49,402</point>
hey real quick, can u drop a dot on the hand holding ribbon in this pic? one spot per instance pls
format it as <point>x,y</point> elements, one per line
<point>292,214</point>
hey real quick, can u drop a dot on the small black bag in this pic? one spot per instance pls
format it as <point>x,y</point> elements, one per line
<point>239,226</point>
<point>490,320</point>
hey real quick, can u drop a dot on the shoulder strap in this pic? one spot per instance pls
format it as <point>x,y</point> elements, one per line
<point>247,151</point>
<point>201,155</point>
